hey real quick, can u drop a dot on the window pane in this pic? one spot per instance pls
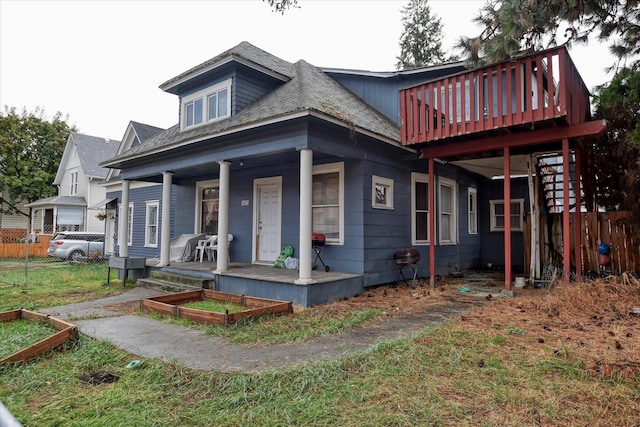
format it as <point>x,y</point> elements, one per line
<point>515,208</point>
<point>445,227</point>
<point>515,221</point>
<point>209,210</point>
<point>153,211</point>
<point>222,103</point>
<point>210,193</point>
<point>326,189</point>
<point>381,194</point>
<point>130,225</point>
<point>422,196</point>
<point>209,217</point>
<point>325,221</point>
<point>152,236</point>
<point>445,202</point>
<point>213,106</point>
<point>499,221</point>
<point>197,111</point>
<point>499,208</point>
<point>189,113</point>
<point>422,224</point>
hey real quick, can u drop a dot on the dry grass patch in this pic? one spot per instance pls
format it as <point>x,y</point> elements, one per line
<point>592,321</point>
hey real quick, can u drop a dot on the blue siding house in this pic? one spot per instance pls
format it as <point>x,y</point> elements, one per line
<point>270,152</point>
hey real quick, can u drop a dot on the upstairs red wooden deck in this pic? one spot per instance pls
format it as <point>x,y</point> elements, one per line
<point>534,91</point>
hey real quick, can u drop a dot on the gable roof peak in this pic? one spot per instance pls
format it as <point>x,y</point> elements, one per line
<point>243,53</point>
<point>92,150</point>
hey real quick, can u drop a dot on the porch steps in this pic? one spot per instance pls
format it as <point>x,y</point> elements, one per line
<point>173,282</point>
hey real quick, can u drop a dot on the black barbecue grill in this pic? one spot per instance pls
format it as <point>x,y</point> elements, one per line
<point>318,240</point>
<point>406,258</point>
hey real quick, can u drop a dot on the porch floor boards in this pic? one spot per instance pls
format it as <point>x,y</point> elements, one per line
<point>262,272</point>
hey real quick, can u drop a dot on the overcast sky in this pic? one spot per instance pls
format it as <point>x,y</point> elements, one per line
<point>102,62</point>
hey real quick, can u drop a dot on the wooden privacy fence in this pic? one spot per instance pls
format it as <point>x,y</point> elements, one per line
<point>17,249</point>
<point>616,229</point>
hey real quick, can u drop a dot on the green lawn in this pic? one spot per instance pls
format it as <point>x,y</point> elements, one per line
<point>52,283</point>
<point>452,375</point>
<point>18,334</point>
<point>432,379</point>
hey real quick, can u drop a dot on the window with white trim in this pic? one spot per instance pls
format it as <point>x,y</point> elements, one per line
<point>206,105</point>
<point>497,215</point>
<point>448,202</point>
<point>151,224</point>
<point>73,189</point>
<point>419,208</point>
<point>473,210</point>
<point>381,192</point>
<point>328,201</point>
<point>207,207</point>
<point>130,224</point>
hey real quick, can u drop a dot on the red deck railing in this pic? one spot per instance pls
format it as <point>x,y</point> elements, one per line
<point>533,88</point>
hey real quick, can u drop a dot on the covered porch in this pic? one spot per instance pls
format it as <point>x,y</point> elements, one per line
<point>265,281</point>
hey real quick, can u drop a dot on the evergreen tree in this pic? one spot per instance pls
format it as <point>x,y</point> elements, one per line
<point>514,25</point>
<point>421,40</point>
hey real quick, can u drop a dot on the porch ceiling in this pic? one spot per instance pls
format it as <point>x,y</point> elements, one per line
<point>494,166</point>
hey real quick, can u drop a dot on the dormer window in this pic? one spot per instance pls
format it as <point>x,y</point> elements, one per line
<point>206,105</point>
<point>193,112</point>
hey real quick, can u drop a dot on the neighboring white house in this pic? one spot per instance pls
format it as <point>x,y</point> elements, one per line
<point>80,203</point>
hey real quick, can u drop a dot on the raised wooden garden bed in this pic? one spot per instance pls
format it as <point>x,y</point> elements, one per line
<point>66,332</point>
<point>170,305</point>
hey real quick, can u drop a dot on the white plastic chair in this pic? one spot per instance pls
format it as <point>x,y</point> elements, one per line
<point>212,250</point>
<point>201,248</point>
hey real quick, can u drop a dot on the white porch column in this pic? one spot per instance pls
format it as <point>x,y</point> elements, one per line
<point>306,188</point>
<point>123,226</point>
<point>222,262</point>
<point>165,236</point>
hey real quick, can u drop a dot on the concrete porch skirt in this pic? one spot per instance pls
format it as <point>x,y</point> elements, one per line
<point>264,281</point>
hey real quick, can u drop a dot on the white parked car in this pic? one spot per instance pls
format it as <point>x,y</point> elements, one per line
<point>75,245</point>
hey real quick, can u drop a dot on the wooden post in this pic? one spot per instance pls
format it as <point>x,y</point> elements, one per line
<point>507,218</point>
<point>566,216</point>
<point>577,225</point>
<point>432,224</point>
<point>534,265</point>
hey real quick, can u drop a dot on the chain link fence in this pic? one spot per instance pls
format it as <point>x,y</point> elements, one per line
<point>23,253</point>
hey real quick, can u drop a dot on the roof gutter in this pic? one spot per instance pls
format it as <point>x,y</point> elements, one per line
<point>251,126</point>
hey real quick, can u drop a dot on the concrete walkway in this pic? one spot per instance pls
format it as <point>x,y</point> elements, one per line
<point>150,338</point>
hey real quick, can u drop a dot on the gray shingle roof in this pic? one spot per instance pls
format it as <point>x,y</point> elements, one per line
<point>145,132</point>
<point>308,90</point>
<point>93,150</point>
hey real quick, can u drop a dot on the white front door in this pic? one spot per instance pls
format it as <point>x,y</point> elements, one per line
<point>110,236</point>
<point>267,194</point>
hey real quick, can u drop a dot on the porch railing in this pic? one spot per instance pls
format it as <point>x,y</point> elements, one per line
<point>529,89</point>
